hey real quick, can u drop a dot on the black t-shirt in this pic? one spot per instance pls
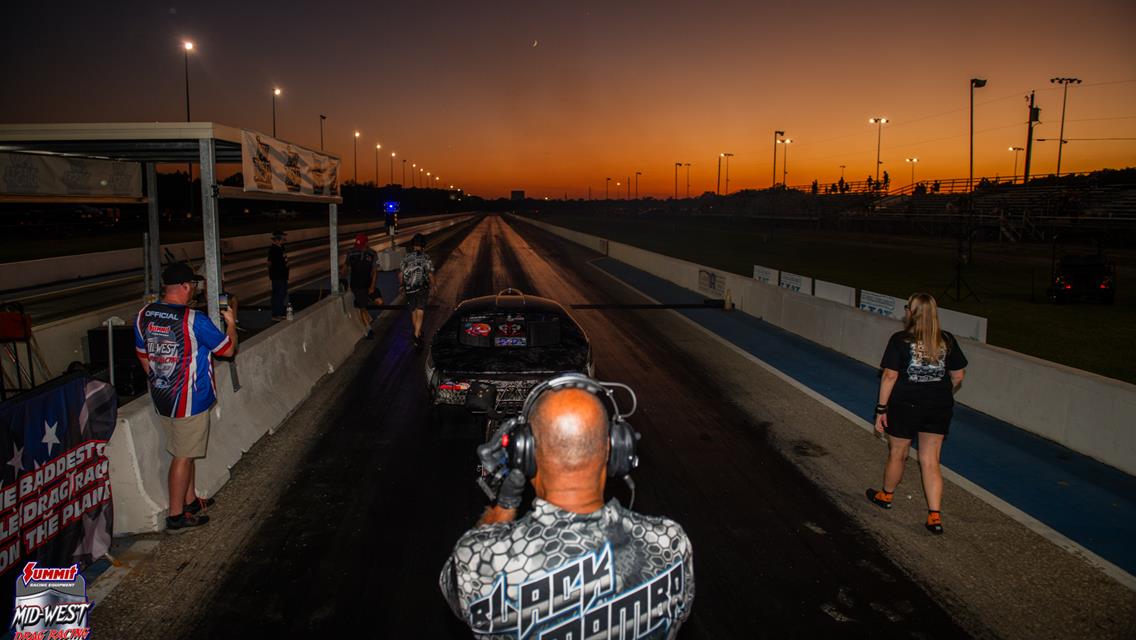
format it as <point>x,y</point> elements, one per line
<point>361,263</point>
<point>277,263</point>
<point>923,379</point>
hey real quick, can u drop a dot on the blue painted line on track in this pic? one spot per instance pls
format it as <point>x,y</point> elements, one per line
<point>1088,502</point>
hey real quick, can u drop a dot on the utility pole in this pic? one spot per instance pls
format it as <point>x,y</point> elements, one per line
<point>637,174</point>
<point>718,186</point>
<point>1034,116</point>
<point>975,83</point>
<point>776,134</point>
<point>677,165</point>
<point>687,165</point>
<point>1064,99</point>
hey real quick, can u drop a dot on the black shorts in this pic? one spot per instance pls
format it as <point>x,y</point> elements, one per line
<point>907,420</point>
<point>362,298</point>
<point>416,300</point>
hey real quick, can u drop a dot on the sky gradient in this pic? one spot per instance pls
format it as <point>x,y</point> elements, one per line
<point>610,88</point>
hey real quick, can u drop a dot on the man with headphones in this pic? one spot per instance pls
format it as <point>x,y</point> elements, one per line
<point>573,566</point>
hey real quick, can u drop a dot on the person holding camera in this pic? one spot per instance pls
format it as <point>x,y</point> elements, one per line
<point>573,566</point>
<point>923,367</point>
<point>175,345</point>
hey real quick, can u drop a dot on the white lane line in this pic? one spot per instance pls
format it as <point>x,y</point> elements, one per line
<point>1031,523</point>
<point>121,566</point>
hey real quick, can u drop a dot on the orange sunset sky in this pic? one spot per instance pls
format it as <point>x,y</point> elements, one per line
<point>552,97</point>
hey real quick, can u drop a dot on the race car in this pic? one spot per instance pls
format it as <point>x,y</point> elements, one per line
<point>500,347</point>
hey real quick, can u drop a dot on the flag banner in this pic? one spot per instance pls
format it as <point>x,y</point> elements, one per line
<point>33,174</point>
<point>55,499</point>
<point>275,166</point>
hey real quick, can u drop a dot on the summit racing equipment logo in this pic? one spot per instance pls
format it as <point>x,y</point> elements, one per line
<point>51,603</point>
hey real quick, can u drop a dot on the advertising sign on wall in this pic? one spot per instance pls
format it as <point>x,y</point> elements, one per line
<point>835,292</point>
<point>275,166</point>
<point>797,283</point>
<point>765,274</point>
<point>881,304</point>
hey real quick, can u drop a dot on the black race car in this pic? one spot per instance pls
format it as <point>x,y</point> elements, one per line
<point>494,349</point>
<point>1091,277</point>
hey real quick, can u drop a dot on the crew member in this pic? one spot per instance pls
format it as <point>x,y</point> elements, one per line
<point>573,567</point>
<point>361,265</point>
<point>174,343</point>
<point>278,274</point>
<point>414,276</point>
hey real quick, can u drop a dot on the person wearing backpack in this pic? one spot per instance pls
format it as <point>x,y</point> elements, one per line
<point>414,278</point>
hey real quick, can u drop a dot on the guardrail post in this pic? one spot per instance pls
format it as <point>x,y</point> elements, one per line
<point>333,242</point>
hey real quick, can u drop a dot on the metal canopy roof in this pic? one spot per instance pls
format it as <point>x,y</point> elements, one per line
<point>160,142</point>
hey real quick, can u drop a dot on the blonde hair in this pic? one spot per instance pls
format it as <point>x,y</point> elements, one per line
<point>922,325</point>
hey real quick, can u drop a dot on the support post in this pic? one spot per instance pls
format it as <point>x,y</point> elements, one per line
<point>154,285</point>
<point>210,227</point>
<point>333,243</point>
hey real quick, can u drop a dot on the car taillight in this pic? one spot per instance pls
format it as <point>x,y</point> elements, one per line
<point>1106,283</point>
<point>450,385</point>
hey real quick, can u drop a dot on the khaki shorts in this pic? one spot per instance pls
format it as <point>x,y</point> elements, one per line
<point>186,437</point>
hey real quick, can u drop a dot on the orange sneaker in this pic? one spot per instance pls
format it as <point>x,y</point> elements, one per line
<point>934,522</point>
<point>879,498</point>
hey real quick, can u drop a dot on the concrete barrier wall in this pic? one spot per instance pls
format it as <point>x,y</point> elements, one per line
<point>277,370</point>
<point>1085,412</point>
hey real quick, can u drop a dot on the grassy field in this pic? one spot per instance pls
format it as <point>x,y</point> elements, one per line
<point>1010,280</point>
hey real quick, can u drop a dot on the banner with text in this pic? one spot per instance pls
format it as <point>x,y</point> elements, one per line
<point>710,282</point>
<point>32,174</point>
<point>882,304</point>
<point>795,282</point>
<point>275,166</point>
<point>766,275</point>
<point>55,500</point>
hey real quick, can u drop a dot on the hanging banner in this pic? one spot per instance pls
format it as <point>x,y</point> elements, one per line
<point>33,174</point>
<point>275,166</point>
<point>766,275</point>
<point>55,500</point>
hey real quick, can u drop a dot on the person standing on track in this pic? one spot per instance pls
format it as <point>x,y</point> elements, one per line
<point>415,278</point>
<point>923,367</point>
<point>278,274</point>
<point>174,343</point>
<point>361,267</point>
<point>574,566</point>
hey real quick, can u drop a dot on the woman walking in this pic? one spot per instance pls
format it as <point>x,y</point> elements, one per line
<point>923,367</point>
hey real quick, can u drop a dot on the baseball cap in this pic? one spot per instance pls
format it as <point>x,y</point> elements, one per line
<point>418,240</point>
<point>279,235</point>
<point>360,239</point>
<point>178,273</point>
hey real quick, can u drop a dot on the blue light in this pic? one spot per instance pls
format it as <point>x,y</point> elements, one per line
<point>390,207</point>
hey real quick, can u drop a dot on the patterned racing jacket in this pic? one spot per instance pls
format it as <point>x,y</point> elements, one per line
<point>554,574</point>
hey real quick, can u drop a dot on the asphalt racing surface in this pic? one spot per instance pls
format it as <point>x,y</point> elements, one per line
<point>358,537</point>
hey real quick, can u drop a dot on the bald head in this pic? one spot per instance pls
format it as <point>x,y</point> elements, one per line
<point>570,430</point>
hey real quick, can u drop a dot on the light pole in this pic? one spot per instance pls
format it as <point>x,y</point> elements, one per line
<point>879,122</point>
<point>1065,97</point>
<point>637,174</point>
<point>275,93</point>
<point>975,83</point>
<point>322,118</point>
<point>607,183</point>
<point>356,158</point>
<point>785,142</point>
<point>727,156</point>
<point>1015,150</point>
<point>842,172</point>
<point>677,165</point>
<point>187,46</point>
<point>912,162</point>
<point>776,136</point>
<point>377,147</point>
<point>392,167</point>
<point>413,172</point>
<point>403,172</point>
<point>421,180</point>
<point>718,184</point>
<point>687,165</point>
<point>428,181</point>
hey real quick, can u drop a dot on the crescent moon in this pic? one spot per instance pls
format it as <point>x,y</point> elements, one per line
<point>535,42</point>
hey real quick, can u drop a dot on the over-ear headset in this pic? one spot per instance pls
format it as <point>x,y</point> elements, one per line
<point>515,437</point>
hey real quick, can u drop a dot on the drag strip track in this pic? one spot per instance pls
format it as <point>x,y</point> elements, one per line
<point>357,540</point>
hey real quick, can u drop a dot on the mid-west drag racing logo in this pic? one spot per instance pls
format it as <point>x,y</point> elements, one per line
<point>51,603</point>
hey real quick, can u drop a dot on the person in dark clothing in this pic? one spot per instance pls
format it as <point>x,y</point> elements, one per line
<point>415,277</point>
<point>278,274</point>
<point>361,267</point>
<point>923,367</point>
